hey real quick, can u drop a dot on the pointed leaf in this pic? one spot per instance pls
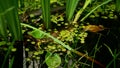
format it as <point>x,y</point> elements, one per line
<point>36,34</point>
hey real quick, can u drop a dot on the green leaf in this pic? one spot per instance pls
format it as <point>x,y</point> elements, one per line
<point>52,60</point>
<point>36,34</point>
<point>77,16</point>
<point>70,8</point>
<point>3,28</point>
<point>45,4</point>
<point>2,43</point>
<point>117,5</point>
<point>9,18</point>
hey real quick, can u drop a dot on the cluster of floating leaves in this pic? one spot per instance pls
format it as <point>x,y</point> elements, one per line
<point>33,54</point>
<point>73,34</point>
<point>54,47</point>
<point>57,19</point>
<point>106,13</point>
<point>66,35</point>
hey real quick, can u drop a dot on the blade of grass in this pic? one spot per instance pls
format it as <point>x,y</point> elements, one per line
<point>77,16</point>
<point>45,4</point>
<point>109,50</point>
<point>11,62</point>
<point>105,2</point>
<point>3,28</point>
<point>96,48</point>
<point>70,8</point>
<point>7,54</point>
<point>114,55</point>
<point>117,5</point>
<point>11,18</point>
<point>113,60</point>
<point>3,25</point>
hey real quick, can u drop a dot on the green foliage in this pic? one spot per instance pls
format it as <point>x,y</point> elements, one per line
<point>56,18</point>
<point>62,43</point>
<point>9,17</point>
<point>87,2</point>
<point>55,39</point>
<point>2,43</point>
<point>117,5</point>
<point>61,40</point>
<point>36,34</point>
<point>105,2</point>
<point>45,4</point>
<point>7,55</point>
<point>70,8</point>
<point>52,60</point>
<point>114,55</point>
<point>11,62</point>
<point>3,25</point>
<point>66,35</point>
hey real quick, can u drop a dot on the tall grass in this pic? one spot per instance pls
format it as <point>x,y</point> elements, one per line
<point>9,21</point>
<point>114,55</point>
<point>9,18</point>
<point>45,4</point>
<point>70,8</point>
<point>7,56</point>
<point>105,2</point>
<point>77,16</point>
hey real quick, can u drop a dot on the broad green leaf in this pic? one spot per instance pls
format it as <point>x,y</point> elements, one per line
<point>36,34</point>
<point>52,60</point>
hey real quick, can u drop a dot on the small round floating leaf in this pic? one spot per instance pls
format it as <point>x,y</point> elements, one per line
<point>92,16</point>
<point>28,59</point>
<point>37,58</point>
<point>104,17</point>
<point>26,49</point>
<point>41,52</point>
<point>52,60</point>
<point>32,42</point>
<point>13,49</point>
<point>82,41</point>
<point>28,40</point>
<point>36,53</point>
<point>32,15</point>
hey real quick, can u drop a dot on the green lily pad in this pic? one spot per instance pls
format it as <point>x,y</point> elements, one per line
<point>52,60</point>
